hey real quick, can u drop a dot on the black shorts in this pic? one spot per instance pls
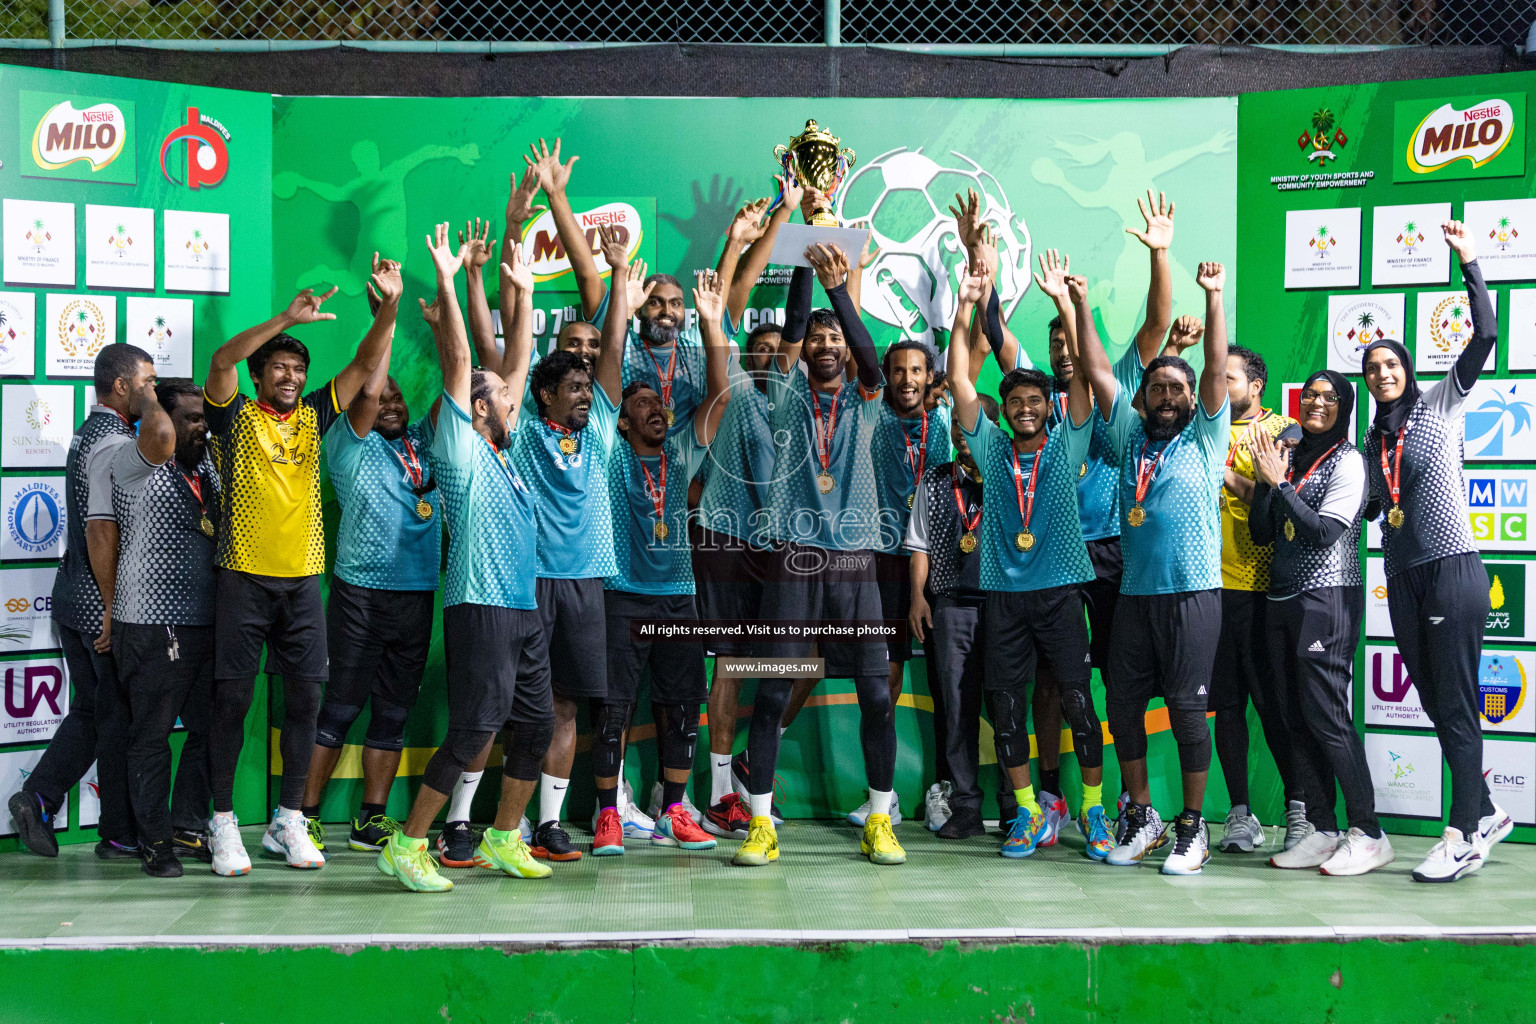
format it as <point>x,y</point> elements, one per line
<point>1242,653</point>
<point>728,575</point>
<point>1164,645</point>
<point>1026,628</point>
<point>808,584</point>
<point>283,612</point>
<point>497,666</point>
<point>677,666</point>
<point>893,573</point>
<point>1100,595</point>
<point>378,641</point>
<point>571,612</point>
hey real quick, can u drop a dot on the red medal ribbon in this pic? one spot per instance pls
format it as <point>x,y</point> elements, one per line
<point>1394,473</point>
<point>824,434</point>
<point>1308,474</point>
<point>281,417</point>
<point>119,415</point>
<point>556,427</point>
<point>1264,414</point>
<point>1026,512</point>
<point>1145,470</point>
<point>195,482</point>
<point>664,379</point>
<point>1061,406</point>
<point>970,522</point>
<point>919,458</point>
<point>658,495</point>
<point>413,467</point>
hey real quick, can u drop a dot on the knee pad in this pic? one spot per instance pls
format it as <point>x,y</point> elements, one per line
<point>608,724</point>
<point>1128,725</point>
<point>523,747</point>
<point>386,725</point>
<point>1193,737</point>
<point>333,722</point>
<point>1009,712</point>
<point>874,693</point>
<point>458,751</point>
<point>679,736</point>
<point>1087,736</point>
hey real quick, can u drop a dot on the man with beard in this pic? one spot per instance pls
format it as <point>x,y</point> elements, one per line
<point>165,496</point>
<point>648,476</point>
<point>379,618</point>
<point>1242,669</point>
<point>1033,566</point>
<point>824,516</point>
<point>1168,619</point>
<point>272,551</point>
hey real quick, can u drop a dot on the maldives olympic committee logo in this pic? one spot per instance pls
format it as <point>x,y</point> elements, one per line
<point>34,519</point>
<point>206,151</point>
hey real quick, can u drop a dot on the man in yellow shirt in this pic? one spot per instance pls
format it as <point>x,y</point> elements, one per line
<point>1242,667</point>
<point>271,551</point>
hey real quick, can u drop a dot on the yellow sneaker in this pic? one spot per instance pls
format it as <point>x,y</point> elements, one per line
<point>511,855</point>
<point>408,861</point>
<point>879,843</point>
<point>761,845</point>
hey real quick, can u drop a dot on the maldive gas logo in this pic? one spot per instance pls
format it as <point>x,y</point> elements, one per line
<point>64,135</point>
<point>1477,135</point>
<point>1501,687</point>
<point>1318,143</point>
<point>205,151</point>
<point>34,519</point>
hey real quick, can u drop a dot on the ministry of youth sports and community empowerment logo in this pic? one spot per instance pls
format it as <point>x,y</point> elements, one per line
<point>914,281</point>
<point>34,519</point>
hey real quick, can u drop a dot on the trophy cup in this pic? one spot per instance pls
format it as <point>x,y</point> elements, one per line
<point>813,157</point>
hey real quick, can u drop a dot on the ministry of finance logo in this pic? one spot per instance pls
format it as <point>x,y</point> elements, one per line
<point>904,194</point>
<point>34,519</point>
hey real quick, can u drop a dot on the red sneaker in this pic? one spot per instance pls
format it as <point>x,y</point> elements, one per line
<point>608,841</point>
<point>729,817</point>
<point>676,827</point>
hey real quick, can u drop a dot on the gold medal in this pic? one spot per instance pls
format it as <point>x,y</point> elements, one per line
<point>968,543</point>
<point>825,483</point>
<point>1221,501</point>
<point>670,416</point>
<point>1290,530</point>
<point>1137,515</point>
<point>1024,540</point>
<point>1395,517</point>
<point>1082,471</point>
<point>206,525</point>
<point>568,445</point>
<point>661,530</point>
<point>909,499</point>
<point>423,508</point>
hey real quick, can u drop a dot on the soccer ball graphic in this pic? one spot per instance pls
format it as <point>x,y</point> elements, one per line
<point>912,283</point>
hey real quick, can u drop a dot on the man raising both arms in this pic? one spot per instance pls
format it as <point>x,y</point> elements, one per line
<point>272,550</point>
<point>1168,620</point>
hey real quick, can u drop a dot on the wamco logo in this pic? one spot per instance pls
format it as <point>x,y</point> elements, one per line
<point>39,683</point>
<point>1477,135</point>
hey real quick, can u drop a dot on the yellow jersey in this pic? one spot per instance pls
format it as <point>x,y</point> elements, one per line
<point>1244,564</point>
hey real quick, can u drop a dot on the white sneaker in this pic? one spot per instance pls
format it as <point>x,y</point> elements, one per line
<point>1191,846</point>
<point>1359,853</point>
<point>1449,859</point>
<point>936,804</point>
<point>288,837</point>
<point>1311,852</point>
<point>1297,827</point>
<point>1056,814</point>
<point>1143,832</point>
<point>656,808</point>
<point>1242,833</point>
<point>524,829</point>
<point>229,856</point>
<point>859,816</point>
<point>1493,828</point>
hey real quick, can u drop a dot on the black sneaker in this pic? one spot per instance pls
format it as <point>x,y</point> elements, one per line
<point>456,844</point>
<point>371,835</point>
<point>33,823</point>
<point>551,842</point>
<point>111,849</point>
<point>741,775</point>
<point>191,842</point>
<point>962,824</point>
<point>159,860</point>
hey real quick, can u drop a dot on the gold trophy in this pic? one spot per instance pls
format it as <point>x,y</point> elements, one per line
<point>814,159</point>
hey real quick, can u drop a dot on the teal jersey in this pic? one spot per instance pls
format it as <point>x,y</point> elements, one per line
<point>1057,556</point>
<point>384,541</point>
<point>575,521</point>
<point>902,453</point>
<point>649,563</point>
<point>846,517</point>
<point>1177,547</point>
<point>740,467</point>
<point>492,530</point>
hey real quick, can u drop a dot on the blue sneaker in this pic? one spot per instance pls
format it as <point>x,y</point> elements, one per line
<point>1095,828</point>
<point>1024,834</point>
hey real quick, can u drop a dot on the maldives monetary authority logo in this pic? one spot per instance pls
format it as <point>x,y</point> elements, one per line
<point>34,519</point>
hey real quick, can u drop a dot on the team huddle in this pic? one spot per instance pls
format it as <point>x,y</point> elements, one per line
<point>1130,516</point>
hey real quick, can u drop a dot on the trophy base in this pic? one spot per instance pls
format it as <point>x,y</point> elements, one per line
<point>823,219</point>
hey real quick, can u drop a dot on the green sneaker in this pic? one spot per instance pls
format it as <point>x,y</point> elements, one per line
<point>372,834</point>
<point>510,854</point>
<point>411,865</point>
<point>316,832</point>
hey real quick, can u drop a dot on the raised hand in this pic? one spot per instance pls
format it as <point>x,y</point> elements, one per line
<point>1158,213</point>
<point>871,250</point>
<point>305,307</point>
<point>552,174</point>
<point>613,245</point>
<point>1212,277</point>
<point>829,262</point>
<point>476,250</point>
<point>967,214</point>
<point>1186,331</point>
<point>974,285</point>
<point>810,201</point>
<point>984,251</point>
<point>748,225</point>
<point>515,274</point>
<point>634,283</point>
<point>520,208</point>
<point>1054,271</point>
<point>431,312</point>
<point>1460,240</point>
<point>794,192</point>
<point>445,259</point>
<point>1077,289</point>
<point>384,284</point>
<point>708,295</point>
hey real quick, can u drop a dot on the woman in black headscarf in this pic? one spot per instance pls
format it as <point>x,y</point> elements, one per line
<point>1437,589</point>
<point>1307,502</point>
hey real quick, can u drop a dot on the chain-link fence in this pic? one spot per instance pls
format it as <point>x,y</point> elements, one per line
<point>1039,23</point>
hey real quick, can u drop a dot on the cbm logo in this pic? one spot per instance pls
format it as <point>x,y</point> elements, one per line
<point>38,683</point>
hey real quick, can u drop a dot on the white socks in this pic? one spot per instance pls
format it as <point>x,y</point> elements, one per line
<point>880,801</point>
<point>761,804</point>
<point>287,812</point>
<point>463,796</point>
<point>551,797</point>
<point>719,776</point>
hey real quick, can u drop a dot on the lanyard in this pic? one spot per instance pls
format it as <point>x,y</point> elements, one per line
<point>658,495</point>
<point>501,458</point>
<point>1308,474</point>
<point>567,444</point>
<point>664,379</point>
<point>969,520</point>
<point>824,434</point>
<point>1146,471</point>
<point>413,466</point>
<point>1394,472</point>
<point>1247,437</point>
<point>918,458</point>
<point>195,482</point>
<point>281,417</point>
<point>1061,407</point>
<point>1025,512</point>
